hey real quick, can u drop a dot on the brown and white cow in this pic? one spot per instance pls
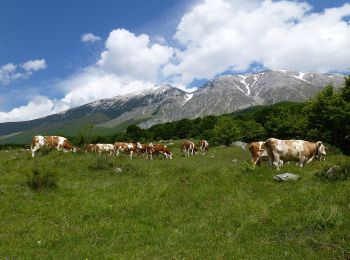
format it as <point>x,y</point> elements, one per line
<point>145,150</point>
<point>188,148</point>
<point>104,148</point>
<point>257,152</point>
<point>160,149</point>
<point>58,142</point>
<point>120,147</point>
<point>203,146</point>
<point>90,148</point>
<point>292,150</point>
<point>131,148</point>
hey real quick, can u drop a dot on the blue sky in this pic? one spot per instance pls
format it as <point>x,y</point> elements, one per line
<point>166,41</point>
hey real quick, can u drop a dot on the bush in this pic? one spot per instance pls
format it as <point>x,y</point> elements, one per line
<point>335,173</point>
<point>102,163</point>
<point>41,179</point>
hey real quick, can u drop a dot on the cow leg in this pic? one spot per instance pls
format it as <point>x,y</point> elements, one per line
<point>255,160</point>
<point>131,152</point>
<point>276,160</point>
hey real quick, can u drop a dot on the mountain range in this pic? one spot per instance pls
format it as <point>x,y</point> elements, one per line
<point>221,95</point>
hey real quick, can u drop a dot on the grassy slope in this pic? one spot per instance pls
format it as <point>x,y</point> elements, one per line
<point>200,207</point>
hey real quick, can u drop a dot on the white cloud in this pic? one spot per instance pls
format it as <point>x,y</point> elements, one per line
<point>11,72</point>
<point>38,107</point>
<point>137,66</point>
<point>94,83</point>
<point>214,36</point>
<point>34,65</point>
<point>219,35</point>
<point>89,37</point>
<point>134,56</point>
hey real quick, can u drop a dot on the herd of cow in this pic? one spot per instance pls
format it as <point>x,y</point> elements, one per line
<point>275,150</point>
<point>146,150</point>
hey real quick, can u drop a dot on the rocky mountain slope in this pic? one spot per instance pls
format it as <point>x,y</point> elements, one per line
<point>165,103</point>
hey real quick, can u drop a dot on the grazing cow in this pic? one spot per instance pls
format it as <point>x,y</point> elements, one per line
<point>90,148</point>
<point>145,149</point>
<point>257,152</point>
<point>203,146</point>
<point>108,148</point>
<point>58,142</point>
<point>131,148</point>
<point>160,149</point>
<point>292,150</point>
<point>189,148</point>
<point>120,147</point>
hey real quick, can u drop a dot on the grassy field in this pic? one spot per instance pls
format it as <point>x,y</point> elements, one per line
<point>209,206</point>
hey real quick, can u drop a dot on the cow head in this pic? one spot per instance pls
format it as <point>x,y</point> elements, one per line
<point>321,149</point>
<point>139,145</point>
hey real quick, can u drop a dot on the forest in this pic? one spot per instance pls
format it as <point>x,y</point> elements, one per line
<point>325,118</point>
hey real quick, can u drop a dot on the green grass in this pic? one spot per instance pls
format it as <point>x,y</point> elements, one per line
<point>200,207</point>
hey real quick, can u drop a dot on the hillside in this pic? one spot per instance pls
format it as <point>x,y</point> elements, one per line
<point>221,95</point>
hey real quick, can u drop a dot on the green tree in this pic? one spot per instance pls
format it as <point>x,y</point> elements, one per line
<point>329,116</point>
<point>227,130</point>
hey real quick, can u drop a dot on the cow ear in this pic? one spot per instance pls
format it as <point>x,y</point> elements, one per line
<point>318,143</point>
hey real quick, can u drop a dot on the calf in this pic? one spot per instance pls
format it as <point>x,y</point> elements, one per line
<point>292,150</point>
<point>257,152</point>
<point>58,142</point>
<point>188,148</point>
<point>203,146</point>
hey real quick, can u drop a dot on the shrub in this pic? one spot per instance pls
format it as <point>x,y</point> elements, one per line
<point>41,179</point>
<point>335,173</point>
<point>102,163</point>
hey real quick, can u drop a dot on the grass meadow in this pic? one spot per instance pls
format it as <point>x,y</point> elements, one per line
<point>212,206</point>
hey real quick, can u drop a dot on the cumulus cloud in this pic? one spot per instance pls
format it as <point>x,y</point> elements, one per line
<point>94,83</point>
<point>220,35</point>
<point>213,37</point>
<point>90,37</point>
<point>136,66</point>
<point>11,72</point>
<point>37,107</point>
<point>134,56</point>
<point>34,65</point>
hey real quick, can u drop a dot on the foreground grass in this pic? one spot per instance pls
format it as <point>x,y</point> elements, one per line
<point>206,206</point>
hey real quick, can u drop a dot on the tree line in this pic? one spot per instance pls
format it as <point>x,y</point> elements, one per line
<point>326,117</point>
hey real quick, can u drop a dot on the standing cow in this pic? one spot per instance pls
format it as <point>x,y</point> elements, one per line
<point>188,148</point>
<point>90,148</point>
<point>257,152</point>
<point>145,150</point>
<point>58,142</point>
<point>107,148</point>
<point>203,146</point>
<point>292,150</point>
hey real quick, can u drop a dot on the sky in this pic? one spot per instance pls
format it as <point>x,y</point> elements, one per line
<point>55,55</point>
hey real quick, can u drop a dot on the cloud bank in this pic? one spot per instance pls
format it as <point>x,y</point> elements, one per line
<point>214,36</point>
<point>219,35</point>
